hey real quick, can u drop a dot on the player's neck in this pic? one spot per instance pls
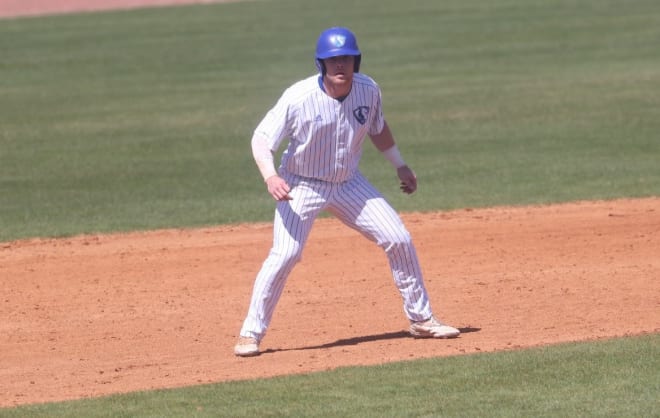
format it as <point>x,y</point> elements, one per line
<point>337,91</point>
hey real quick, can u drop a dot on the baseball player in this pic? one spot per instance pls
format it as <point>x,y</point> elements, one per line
<point>326,118</point>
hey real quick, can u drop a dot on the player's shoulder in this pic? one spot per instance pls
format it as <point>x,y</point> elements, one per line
<point>365,81</point>
<point>302,88</point>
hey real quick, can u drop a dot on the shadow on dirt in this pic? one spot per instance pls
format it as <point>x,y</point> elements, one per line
<point>359,340</point>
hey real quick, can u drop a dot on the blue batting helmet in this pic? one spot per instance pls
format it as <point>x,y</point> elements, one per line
<point>334,42</point>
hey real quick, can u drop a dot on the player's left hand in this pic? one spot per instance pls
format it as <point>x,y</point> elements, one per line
<point>408,179</point>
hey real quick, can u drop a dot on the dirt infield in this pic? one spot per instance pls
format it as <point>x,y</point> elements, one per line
<point>94,315</point>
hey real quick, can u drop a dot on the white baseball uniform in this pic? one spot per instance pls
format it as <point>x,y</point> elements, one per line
<point>320,165</point>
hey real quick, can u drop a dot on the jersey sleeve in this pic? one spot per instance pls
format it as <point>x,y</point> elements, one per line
<point>378,120</point>
<point>274,126</point>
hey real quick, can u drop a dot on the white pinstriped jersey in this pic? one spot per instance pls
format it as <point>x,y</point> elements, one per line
<point>325,135</point>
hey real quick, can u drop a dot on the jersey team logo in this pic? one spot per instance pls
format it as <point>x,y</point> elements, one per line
<point>338,40</point>
<point>361,113</point>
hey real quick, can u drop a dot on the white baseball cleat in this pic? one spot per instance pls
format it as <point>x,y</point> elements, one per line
<point>246,347</point>
<point>432,328</point>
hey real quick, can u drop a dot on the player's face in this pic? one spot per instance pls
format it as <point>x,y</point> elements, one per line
<point>339,70</point>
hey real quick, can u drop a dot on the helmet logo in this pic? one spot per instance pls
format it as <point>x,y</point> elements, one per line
<point>338,40</point>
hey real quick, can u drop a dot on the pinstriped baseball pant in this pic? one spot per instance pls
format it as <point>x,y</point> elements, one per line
<point>358,205</point>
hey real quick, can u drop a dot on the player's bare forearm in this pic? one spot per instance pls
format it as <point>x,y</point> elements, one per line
<point>384,140</point>
<point>385,143</point>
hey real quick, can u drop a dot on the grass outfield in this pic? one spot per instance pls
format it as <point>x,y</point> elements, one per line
<point>142,120</point>
<point>616,378</point>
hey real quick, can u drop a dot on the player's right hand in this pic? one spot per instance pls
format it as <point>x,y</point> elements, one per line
<point>278,188</point>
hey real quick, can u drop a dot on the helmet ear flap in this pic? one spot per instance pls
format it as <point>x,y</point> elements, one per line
<point>320,65</point>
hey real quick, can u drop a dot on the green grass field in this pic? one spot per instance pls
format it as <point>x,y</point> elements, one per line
<point>142,119</point>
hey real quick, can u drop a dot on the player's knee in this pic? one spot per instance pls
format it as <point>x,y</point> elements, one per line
<point>398,241</point>
<point>288,256</point>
